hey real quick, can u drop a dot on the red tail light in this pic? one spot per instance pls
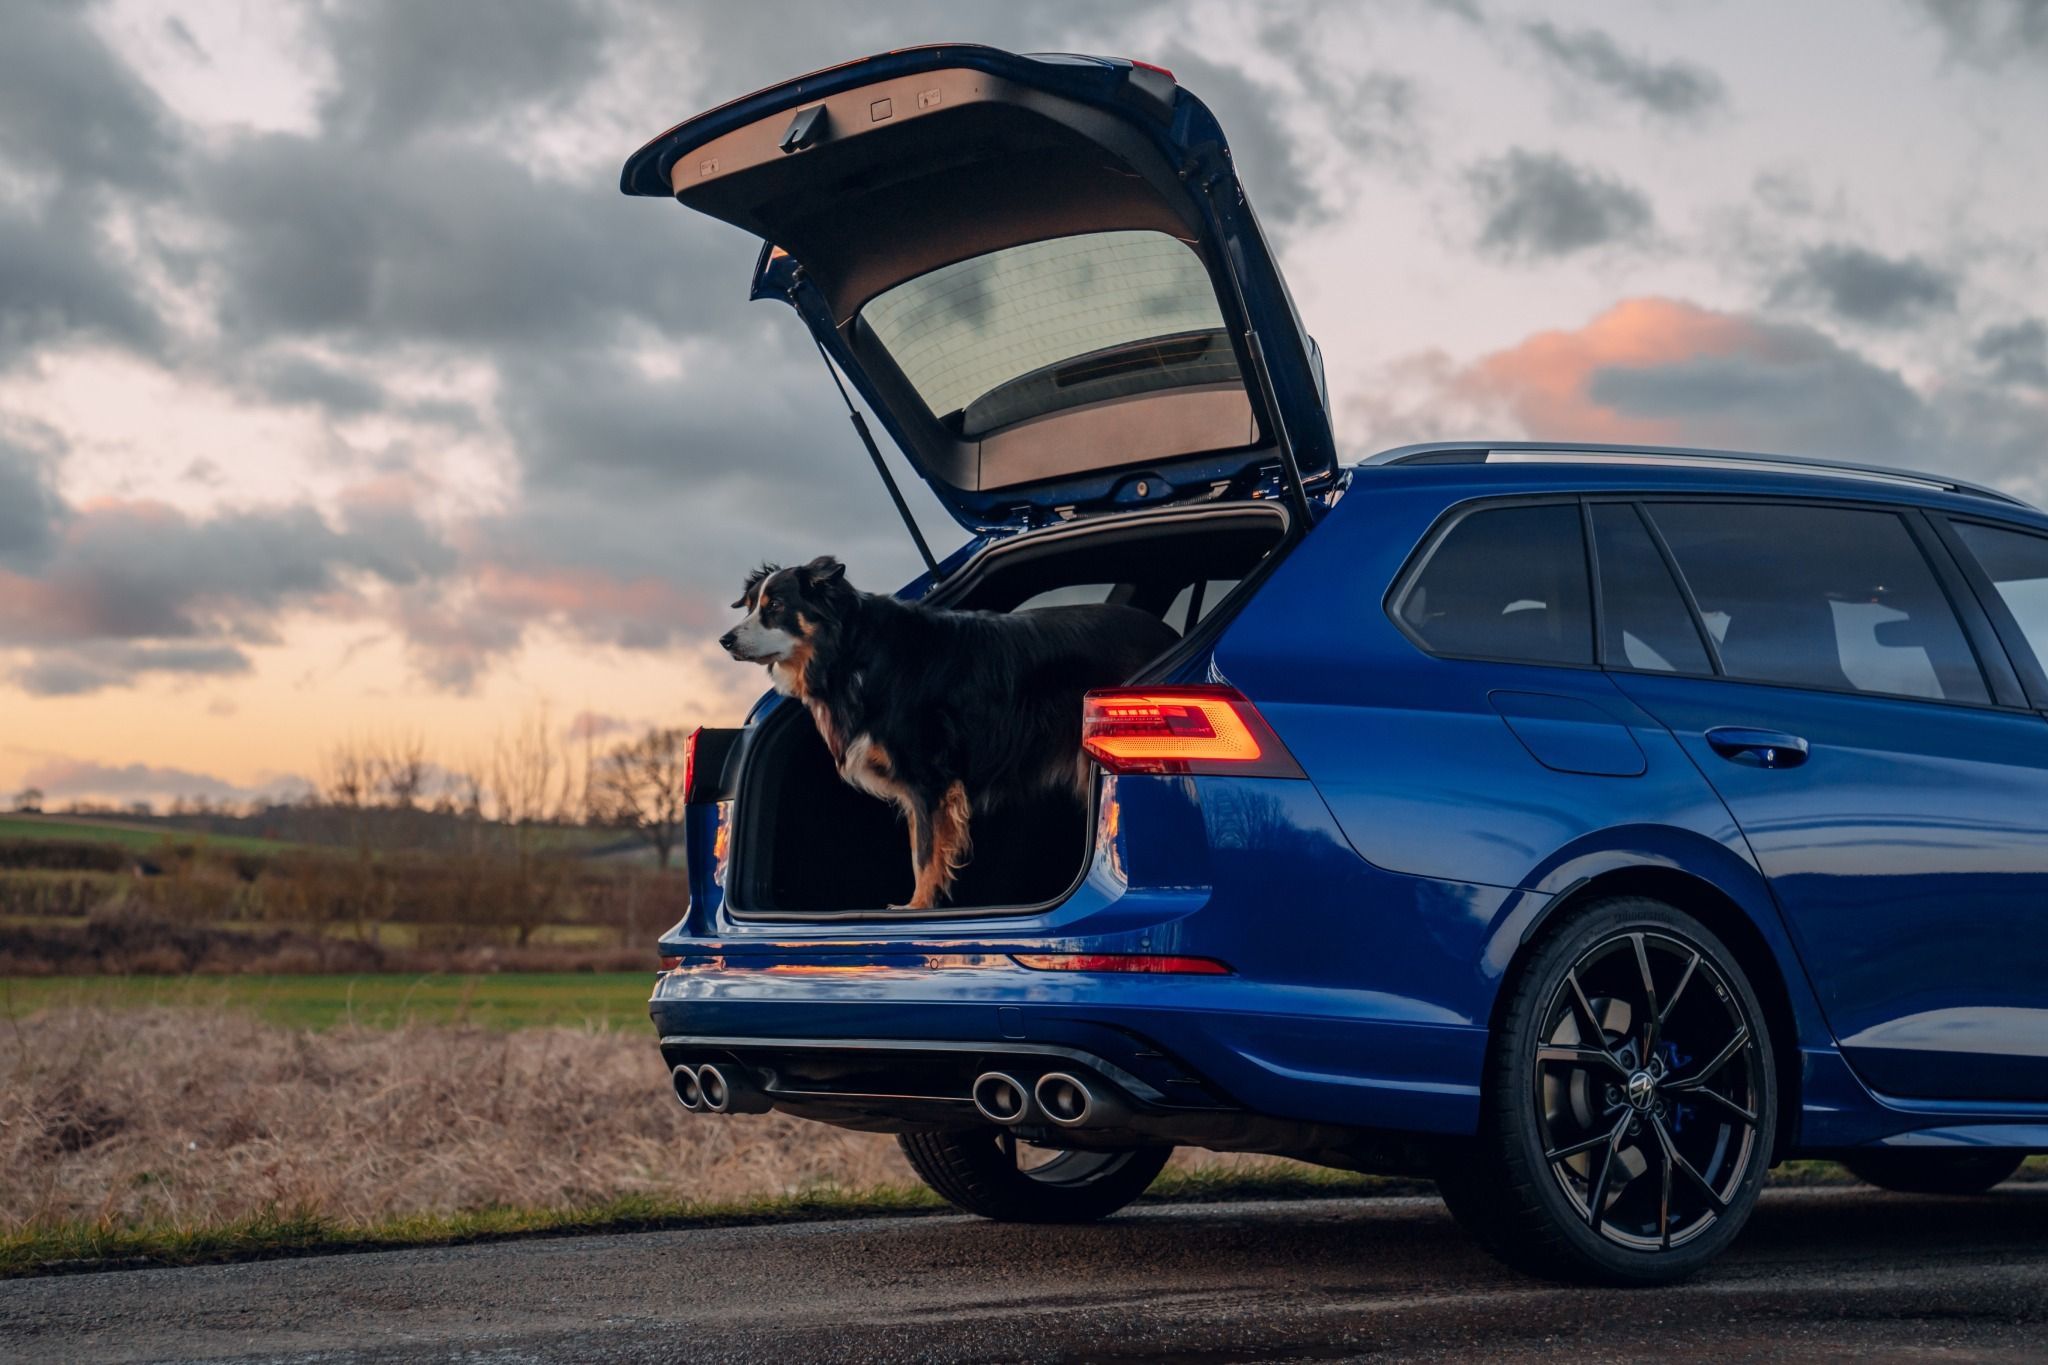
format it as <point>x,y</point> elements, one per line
<point>1152,66</point>
<point>1160,963</point>
<point>690,764</point>
<point>1182,730</point>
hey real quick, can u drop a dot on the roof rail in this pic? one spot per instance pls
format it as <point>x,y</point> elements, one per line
<point>1534,452</point>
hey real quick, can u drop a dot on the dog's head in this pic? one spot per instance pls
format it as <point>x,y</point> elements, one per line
<point>786,610</point>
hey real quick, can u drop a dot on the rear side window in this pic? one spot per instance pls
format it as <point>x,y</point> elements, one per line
<point>1827,597</point>
<point>1505,583</point>
<point>1643,615</point>
<point>2017,565</point>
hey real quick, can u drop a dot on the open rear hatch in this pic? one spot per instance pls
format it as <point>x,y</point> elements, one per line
<point>1039,271</point>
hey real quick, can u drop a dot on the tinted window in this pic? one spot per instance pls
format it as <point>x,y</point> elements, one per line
<point>1506,583</point>
<point>2017,564</point>
<point>1030,329</point>
<point>1821,597</point>
<point>1644,617</point>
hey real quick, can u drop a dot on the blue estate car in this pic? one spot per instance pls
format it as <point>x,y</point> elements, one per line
<point>1586,828</point>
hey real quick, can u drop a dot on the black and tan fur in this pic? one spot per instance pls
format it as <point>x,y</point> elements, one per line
<point>942,713</point>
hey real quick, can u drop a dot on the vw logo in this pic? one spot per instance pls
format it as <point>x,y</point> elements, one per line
<point>1642,1088</point>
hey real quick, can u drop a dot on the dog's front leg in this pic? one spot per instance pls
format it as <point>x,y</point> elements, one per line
<point>919,814</point>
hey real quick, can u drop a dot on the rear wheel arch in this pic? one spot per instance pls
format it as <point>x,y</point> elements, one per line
<point>1721,913</point>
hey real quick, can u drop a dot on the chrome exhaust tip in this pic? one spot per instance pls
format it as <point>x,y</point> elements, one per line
<point>715,1089</point>
<point>1064,1099</point>
<point>689,1093</point>
<point>1000,1097</point>
<point>728,1088</point>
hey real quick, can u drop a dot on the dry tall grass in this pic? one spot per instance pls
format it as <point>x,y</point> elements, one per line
<point>198,1117</point>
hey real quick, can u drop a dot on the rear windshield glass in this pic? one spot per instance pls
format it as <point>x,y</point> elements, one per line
<point>1032,329</point>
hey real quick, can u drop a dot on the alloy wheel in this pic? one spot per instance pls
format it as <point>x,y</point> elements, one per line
<point>1646,1090</point>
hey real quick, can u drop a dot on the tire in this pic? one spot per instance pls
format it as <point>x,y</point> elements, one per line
<point>1934,1171</point>
<point>976,1170</point>
<point>1695,1105</point>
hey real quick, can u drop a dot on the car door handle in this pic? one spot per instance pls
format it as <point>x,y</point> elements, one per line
<point>1757,748</point>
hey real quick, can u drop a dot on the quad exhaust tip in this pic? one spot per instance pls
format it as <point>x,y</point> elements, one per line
<point>1064,1099</point>
<point>715,1088</point>
<point>689,1090</point>
<point>1001,1098</point>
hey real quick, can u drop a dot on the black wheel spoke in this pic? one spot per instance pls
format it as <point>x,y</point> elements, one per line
<point>1592,1033</point>
<point>1685,1168</point>
<point>1726,1055</point>
<point>1584,1145</point>
<point>1596,1197</point>
<point>1727,1105</point>
<point>1572,1055</point>
<point>1652,1018</point>
<point>1684,979</point>
<point>1664,1203</point>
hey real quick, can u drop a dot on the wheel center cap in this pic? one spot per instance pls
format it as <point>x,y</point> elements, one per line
<point>1642,1088</point>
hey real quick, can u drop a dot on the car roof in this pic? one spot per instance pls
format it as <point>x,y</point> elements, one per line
<point>1585,464</point>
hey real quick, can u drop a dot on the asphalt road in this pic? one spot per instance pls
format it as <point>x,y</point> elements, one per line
<point>1819,1274</point>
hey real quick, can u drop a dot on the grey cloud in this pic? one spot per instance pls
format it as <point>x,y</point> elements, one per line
<point>144,571</point>
<point>293,380</point>
<point>1267,155</point>
<point>69,777</point>
<point>30,510</point>
<point>403,67</point>
<point>60,280</point>
<point>1990,33</point>
<point>1794,391</point>
<point>1862,286</point>
<point>2016,352</point>
<point>1790,388</point>
<point>1677,90</point>
<point>1538,205</point>
<point>69,106</point>
<point>452,245</point>
<point>78,671</point>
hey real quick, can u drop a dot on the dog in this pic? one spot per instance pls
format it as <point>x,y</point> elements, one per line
<point>942,713</point>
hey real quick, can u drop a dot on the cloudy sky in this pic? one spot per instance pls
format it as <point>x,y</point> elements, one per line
<point>341,393</point>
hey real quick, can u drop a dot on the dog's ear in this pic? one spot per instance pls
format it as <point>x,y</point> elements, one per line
<point>824,569</point>
<point>751,593</point>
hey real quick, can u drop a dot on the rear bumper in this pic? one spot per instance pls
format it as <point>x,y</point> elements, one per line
<point>894,1042</point>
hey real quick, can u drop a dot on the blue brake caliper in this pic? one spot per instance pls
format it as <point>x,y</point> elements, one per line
<point>1673,1060</point>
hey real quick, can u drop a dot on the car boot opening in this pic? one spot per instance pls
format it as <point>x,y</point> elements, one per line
<point>807,844</point>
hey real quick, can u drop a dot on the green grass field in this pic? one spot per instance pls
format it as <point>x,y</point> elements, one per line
<point>137,837</point>
<point>506,1000</point>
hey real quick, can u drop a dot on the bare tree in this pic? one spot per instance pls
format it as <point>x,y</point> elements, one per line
<point>643,787</point>
<point>29,800</point>
<point>348,778</point>
<point>531,788</point>
<point>349,785</point>
<point>400,767</point>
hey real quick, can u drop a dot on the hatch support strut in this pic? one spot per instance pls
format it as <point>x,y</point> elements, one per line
<point>867,438</point>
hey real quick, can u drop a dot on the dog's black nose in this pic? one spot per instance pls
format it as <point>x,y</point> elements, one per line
<point>725,641</point>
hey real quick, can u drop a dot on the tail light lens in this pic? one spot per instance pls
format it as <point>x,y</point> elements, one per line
<point>1182,730</point>
<point>690,765</point>
<point>1165,964</point>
